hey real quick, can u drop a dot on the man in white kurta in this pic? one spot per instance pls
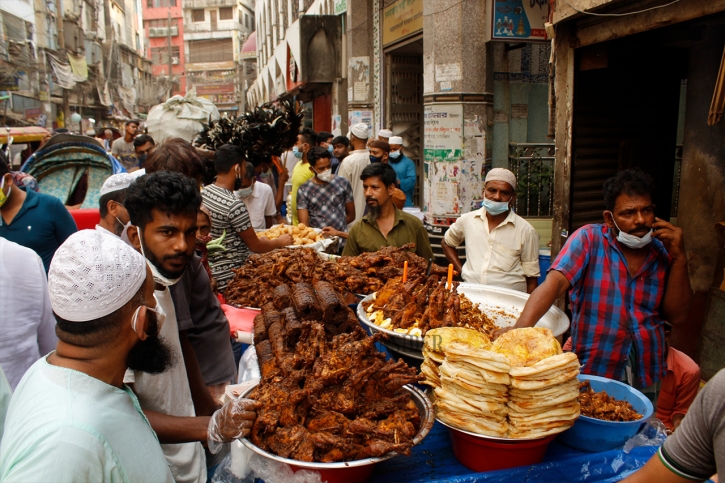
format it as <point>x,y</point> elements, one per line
<point>352,166</point>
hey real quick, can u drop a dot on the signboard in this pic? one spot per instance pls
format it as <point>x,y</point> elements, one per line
<point>340,6</point>
<point>402,19</point>
<point>515,20</point>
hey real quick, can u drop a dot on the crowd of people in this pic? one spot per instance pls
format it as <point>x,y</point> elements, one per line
<point>116,346</point>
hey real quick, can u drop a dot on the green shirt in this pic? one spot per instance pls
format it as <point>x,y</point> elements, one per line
<point>365,236</point>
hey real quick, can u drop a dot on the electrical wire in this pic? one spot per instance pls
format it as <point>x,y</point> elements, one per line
<point>619,14</point>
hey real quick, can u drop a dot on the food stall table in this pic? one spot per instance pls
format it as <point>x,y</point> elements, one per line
<point>433,460</point>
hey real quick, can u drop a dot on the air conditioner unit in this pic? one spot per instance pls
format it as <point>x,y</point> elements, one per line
<point>153,32</point>
<point>174,61</point>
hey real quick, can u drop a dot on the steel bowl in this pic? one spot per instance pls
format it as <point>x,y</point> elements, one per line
<point>502,304</point>
<point>356,471</point>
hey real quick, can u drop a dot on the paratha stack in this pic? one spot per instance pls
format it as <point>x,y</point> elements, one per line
<point>473,392</point>
<point>437,341</point>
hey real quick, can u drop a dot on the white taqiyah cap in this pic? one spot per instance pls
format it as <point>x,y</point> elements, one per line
<point>360,130</point>
<point>92,275</point>
<point>116,182</point>
<point>501,174</point>
<point>385,133</point>
<point>395,140</point>
<point>138,173</point>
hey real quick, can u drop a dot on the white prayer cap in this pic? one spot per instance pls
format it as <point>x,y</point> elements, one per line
<point>385,133</point>
<point>395,140</point>
<point>360,130</point>
<point>501,174</point>
<point>92,275</point>
<point>116,182</point>
<point>138,173</point>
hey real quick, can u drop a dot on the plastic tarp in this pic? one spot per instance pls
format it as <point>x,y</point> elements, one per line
<point>180,117</point>
<point>79,67</point>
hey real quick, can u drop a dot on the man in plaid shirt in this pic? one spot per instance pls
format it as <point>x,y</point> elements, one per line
<point>326,200</point>
<point>625,278</point>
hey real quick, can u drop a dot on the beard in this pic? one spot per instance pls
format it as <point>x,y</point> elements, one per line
<point>151,256</point>
<point>374,212</point>
<point>153,355</point>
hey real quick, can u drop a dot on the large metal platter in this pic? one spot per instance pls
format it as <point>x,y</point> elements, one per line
<point>427,418</point>
<point>503,305</point>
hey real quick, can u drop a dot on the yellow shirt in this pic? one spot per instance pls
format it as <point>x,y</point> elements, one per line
<point>300,175</point>
<point>503,257</point>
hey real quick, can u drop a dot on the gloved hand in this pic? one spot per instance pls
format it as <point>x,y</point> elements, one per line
<point>233,421</point>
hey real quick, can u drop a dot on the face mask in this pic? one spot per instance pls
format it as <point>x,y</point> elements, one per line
<point>325,176</point>
<point>495,207</point>
<point>141,159</point>
<point>298,154</point>
<point>244,192</point>
<point>158,310</point>
<point>124,232</point>
<point>329,147</point>
<point>632,241</point>
<point>4,197</point>
<point>158,278</point>
<point>375,159</point>
<point>394,154</point>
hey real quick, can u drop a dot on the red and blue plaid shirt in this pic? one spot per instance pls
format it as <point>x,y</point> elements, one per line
<point>612,311</point>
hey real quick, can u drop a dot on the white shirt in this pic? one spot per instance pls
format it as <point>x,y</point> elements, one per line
<point>260,204</point>
<point>27,324</point>
<point>503,257</point>
<point>350,168</point>
<point>169,393</point>
<point>68,427</point>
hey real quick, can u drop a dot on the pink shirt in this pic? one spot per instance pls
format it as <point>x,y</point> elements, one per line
<point>679,387</point>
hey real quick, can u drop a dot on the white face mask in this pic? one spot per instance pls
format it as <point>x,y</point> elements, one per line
<point>325,176</point>
<point>158,310</point>
<point>244,192</point>
<point>124,233</point>
<point>158,278</point>
<point>632,241</point>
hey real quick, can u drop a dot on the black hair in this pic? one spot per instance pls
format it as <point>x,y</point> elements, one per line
<point>143,139</point>
<point>166,191</point>
<point>314,154</point>
<point>323,136</point>
<point>248,170</point>
<point>309,136</point>
<point>384,171</point>
<point>178,156</point>
<point>630,182</point>
<point>341,140</point>
<point>132,121</point>
<point>101,331</point>
<point>226,157</point>
<point>4,167</point>
<point>119,196</point>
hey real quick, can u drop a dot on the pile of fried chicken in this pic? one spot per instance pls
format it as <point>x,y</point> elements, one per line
<point>363,274</point>
<point>428,304</point>
<point>327,394</point>
<point>600,405</point>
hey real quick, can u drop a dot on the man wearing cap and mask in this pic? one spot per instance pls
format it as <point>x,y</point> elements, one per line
<point>114,217</point>
<point>353,166</point>
<point>404,168</point>
<point>306,140</point>
<point>502,249</point>
<point>624,281</point>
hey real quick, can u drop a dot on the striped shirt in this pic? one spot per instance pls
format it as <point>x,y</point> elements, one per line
<point>227,214</point>
<point>613,312</point>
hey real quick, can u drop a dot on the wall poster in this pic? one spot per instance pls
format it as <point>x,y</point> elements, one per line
<point>519,19</point>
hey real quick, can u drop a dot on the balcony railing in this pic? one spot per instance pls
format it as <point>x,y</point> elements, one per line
<point>533,165</point>
<point>218,26</point>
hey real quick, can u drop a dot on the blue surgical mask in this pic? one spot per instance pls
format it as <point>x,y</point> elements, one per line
<point>298,154</point>
<point>375,159</point>
<point>495,207</point>
<point>329,147</point>
<point>394,154</point>
<point>244,192</point>
<point>632,241</point>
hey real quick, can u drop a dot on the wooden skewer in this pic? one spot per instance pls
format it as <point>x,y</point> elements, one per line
<point>449,285</point>
<point>405,271</point>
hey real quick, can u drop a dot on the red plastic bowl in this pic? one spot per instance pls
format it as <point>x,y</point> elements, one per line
<point>478,453</point>
<point>352,474</point>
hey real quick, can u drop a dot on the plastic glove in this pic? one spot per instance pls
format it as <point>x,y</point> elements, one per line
<point>233,421</point>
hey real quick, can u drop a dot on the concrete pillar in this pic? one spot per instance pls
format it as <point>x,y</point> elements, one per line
<point>458,104</point>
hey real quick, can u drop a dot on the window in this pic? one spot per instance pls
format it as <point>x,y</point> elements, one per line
<point>197,15</point>
<point>246,20</point>
<point>160,3</point>
<point>226,13</point>
<point>220,50</point>
<point>160,56</point>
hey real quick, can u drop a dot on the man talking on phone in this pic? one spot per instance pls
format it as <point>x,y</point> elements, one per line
<point>625,278</point>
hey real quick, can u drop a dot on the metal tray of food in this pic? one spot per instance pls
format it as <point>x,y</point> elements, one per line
<point>503,305</point>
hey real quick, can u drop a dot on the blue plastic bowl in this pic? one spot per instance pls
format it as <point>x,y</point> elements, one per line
<point>595,435</point>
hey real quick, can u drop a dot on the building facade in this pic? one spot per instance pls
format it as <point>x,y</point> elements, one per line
<point>214,33</point>
<point>163,22</point>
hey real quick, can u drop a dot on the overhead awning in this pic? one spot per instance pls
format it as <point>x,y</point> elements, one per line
<point>23,134</point>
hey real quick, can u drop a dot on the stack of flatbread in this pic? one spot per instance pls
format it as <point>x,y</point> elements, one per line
<point>473,391</point>
<point>543,397</point>
<point>437,341</point>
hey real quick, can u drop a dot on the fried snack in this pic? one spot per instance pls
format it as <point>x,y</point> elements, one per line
<point>305,303</point>
<point>260,329</point>
<point>301,234</point>
<point>282,296</point>
<point>600,405</point>
<point>331,304</point>
<point>271,315</point>
<point>292,324</point>
<point>265,357</point>
<point>526,347</point>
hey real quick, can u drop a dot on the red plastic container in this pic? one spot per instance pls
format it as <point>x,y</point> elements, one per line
<point>352,474</point>
<point>86,218</point>
<point>479,453</point>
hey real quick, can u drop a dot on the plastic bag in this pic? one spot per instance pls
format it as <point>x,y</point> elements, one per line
<point>180,117</point>
<point>231,422</point>
<point>654,433</point>
<point>248,366</point>
<point>266,469</point>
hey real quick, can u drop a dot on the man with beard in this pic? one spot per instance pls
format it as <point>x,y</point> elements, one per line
<point>163,208</point>
<point>384,225</point>
<point>71,418</point>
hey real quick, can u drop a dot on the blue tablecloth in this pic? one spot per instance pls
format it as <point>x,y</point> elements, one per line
<point>433,460</point>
